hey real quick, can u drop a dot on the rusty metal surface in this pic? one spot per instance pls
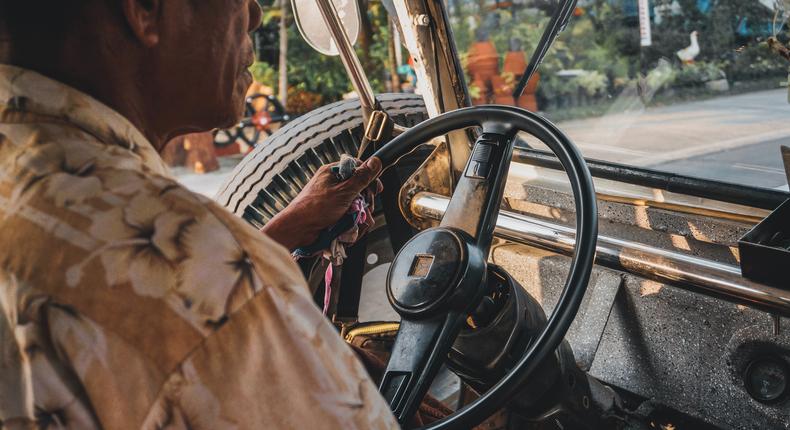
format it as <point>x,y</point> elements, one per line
<point>433,176</point>
<point>426,33</point>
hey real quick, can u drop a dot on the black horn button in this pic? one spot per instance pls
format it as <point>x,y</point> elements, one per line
<point>426,270</point>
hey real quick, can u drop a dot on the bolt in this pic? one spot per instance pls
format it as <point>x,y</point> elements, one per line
<point>421,20</point>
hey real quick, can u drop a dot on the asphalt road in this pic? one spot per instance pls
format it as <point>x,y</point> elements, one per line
<point>759,165</point>
<point>730,138</point>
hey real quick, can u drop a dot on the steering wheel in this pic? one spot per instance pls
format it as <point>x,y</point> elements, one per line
<point>439,276</point>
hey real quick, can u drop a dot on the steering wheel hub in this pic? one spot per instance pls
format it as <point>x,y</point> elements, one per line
<point>426,271</point>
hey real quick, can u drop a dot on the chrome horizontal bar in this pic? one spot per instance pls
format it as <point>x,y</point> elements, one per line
<point>672,268</point>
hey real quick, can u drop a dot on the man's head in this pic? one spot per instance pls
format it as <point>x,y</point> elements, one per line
<point>170,66</point>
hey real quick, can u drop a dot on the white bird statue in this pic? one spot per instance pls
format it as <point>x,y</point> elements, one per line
<point>689,53</point>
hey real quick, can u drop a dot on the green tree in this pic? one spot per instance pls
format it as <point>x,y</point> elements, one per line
<point>312,73</point>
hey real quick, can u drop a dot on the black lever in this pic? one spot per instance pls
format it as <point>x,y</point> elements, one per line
<point>558,22</point>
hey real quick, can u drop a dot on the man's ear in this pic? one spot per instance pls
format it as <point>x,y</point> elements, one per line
<point>143,17</point>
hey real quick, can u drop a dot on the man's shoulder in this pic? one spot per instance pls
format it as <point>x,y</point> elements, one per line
<point>123,245</point>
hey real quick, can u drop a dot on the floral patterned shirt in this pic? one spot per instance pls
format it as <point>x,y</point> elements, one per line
<point>128,302</point>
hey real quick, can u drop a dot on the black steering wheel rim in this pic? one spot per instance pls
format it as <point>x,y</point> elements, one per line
<point>511,118</point>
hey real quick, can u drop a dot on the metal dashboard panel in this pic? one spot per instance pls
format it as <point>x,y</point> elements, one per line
<point>690,351</point>
<point>674,347</point>
<point>685,348</point>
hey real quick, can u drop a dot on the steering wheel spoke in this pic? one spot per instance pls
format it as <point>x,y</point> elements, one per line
<point>438,278</point>
<point>474,206</point>
<point>418,353</point>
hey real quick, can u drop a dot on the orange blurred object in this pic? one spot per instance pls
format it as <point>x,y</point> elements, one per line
<point>482,92</point>
<point>503,91</point>
<point>501,86</point>
<point>515,63</point>
<point>194,150</point>
<point>483,60</point>
<point>527,99</point>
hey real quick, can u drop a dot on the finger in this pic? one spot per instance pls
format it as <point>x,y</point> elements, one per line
<point>376,187</point>
<point>324,168</point>
<point>366,173</point>
<point>325,174</point>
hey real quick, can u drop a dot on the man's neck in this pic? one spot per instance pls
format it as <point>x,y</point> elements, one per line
<point>120,92</point>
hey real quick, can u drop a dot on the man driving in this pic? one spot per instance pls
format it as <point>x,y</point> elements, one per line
<point>127,301</point>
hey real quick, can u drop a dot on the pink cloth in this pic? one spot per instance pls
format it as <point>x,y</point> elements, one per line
<point>328,287</point>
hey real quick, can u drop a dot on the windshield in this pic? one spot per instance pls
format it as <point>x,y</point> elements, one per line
<point>694,87</point>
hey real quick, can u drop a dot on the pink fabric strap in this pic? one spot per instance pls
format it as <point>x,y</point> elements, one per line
<point>328,287</point>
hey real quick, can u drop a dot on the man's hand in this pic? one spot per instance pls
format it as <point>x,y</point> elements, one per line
<point>322,202</point>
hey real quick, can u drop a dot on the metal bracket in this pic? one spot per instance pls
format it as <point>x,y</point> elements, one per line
<point>376,125</point>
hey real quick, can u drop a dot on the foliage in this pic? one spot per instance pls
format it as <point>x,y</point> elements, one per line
<point>313,72</point>
<point>318,75</point>
<point>523,28</point>
<point>600,45</point>
<point>753,62</point>
<point>376,60</point>
<point>605,39</point>
<point>300,101</point>
<point>475,92</point>
<point>661,76</point>
<point>697,73</point>
<point>592,83</point>
<point>264,73</point>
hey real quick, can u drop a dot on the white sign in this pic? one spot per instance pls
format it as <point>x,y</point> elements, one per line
<point>645,38</point>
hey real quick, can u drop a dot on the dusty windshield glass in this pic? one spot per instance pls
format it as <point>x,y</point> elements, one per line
<point>694,87</point>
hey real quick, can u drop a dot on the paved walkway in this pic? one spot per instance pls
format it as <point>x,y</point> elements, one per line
<point>207,184</point>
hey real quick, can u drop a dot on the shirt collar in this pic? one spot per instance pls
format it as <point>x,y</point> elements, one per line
<point>31,92</point>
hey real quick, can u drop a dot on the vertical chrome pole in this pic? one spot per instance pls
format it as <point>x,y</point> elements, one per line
<point>283,60</point>
<point>350,60</point>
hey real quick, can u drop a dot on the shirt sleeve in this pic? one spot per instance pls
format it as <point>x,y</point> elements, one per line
<point>275,362</point>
